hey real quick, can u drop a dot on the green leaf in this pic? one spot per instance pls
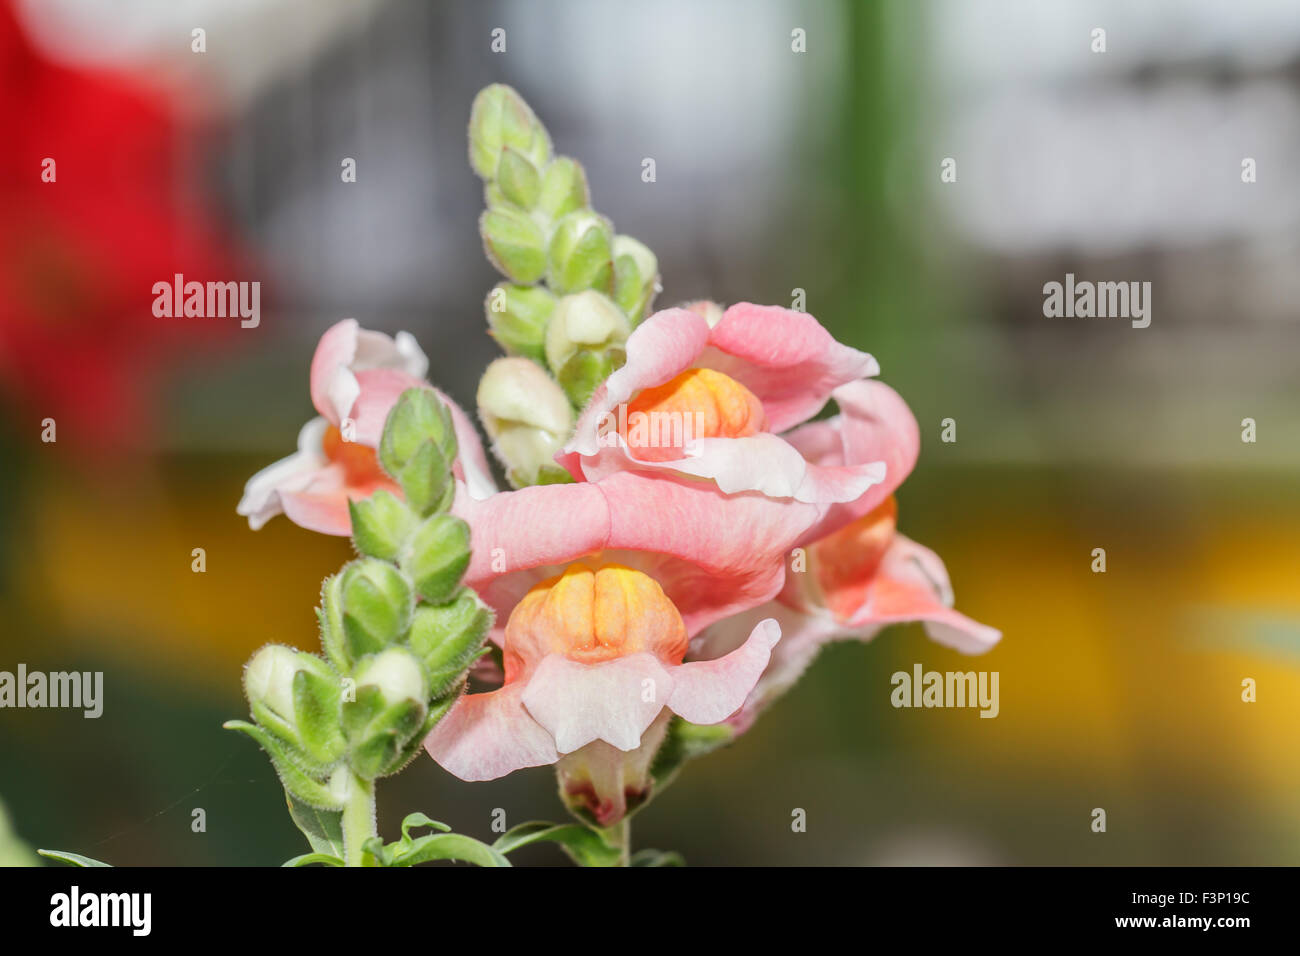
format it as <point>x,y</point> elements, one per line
<point>74,859</point>
<point>307,859</point>
<point>322,828</point>
<point>294,778</point>
<point>448,846</point>
<point>417,819</point>
<point>584,845</point>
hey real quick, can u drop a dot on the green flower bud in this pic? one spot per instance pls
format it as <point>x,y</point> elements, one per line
<point>517,315</point>
<point>448,638</point>
<point>584,342</point>
<point>500,118</point>
<point>636,277</point>
<point>526,415</point>
<point>377,606</point>
<point>437,555</point>
<point>418,447</point>
<point>385,721</point>
<point>581,375</point>
<point>514,243</point>
<point>563,190</point>
<point>518,179</point>
<point>580,255</point>
<point>396,673</point>
<point>380,524</point>
<point>297,696</point>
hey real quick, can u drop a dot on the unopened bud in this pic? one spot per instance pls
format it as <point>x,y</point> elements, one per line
<point>397,675</point>
<point>296,696</point>
<point>584,342</point>
<point>564,189</point>
<point>636,276</point>
<point>377,606</point>
<point>448,637</point>
<point>380,524</point>
<point>500,118</point>
<point>514,243</point>
<point>436,556</point>
<point>517,315</point>
<point>418,448</point>
<point>580,255</point>
<point>518,179</point>
<point>526,415</point>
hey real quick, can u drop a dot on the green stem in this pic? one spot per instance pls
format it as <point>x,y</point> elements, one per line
<point>619,836</point>
<point>358,820</point>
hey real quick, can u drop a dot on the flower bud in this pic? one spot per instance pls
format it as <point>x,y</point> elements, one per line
<point>563,190</point>
<point>584,342</point>
<point>436,556</point>
<point>418,447</point>
<point>526,415</point>
<point>500,118</point>
<point>517,315</point>
<point>385,721</point>
<point>518,179</point>
<point>397,675</point>
<point>580,255</point>
<point>298,697</point>
<point>636,277</point>
<point>448,637</point>
<point>514,243</point>
<point>380,524</point>
<point>377,606</point>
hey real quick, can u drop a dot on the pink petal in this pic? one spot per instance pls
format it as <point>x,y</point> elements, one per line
<point>713,554</point>
<point>912,585</point>
<point>874,425</point>
<point>486,736</point>
<point>785,358</point>
<point>708,692</point>
<point>802,638</point>
<point>614,701</point>
<point>335,351</point>
<point>662,347</point>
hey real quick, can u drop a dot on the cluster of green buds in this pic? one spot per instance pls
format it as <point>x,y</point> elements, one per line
<point>575,289</point>
<point>399,632</point>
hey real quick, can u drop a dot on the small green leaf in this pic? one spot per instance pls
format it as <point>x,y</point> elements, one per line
<point>417,819</point>
<point>322,828</point>
<point>307,859</point>
<point>317,701</point>
<point>448,846</point>
<point>584,845</point>
<point>74,859</point>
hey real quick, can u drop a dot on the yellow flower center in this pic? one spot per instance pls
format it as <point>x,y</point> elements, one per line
<point>698,403</point>
<point>591,616</point>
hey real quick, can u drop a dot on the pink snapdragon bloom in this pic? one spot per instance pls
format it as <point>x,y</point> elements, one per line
<point>853,573</point>
<point>356,378</point>
<point>708,398</point>
<point>601,585</point>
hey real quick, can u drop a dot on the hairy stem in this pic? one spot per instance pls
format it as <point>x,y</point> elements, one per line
<point>358,820</point>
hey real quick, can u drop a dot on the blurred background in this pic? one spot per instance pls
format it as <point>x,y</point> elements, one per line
<point>776,171</point>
